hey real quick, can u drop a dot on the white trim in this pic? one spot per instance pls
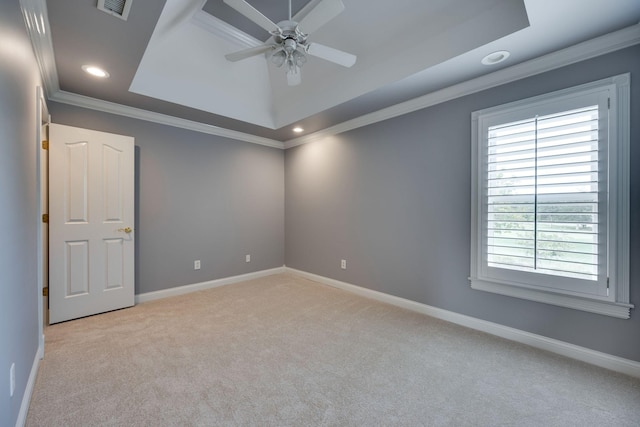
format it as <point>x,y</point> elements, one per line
<point>615,309</point>
<point>622,176</point>
<point>43,49</point>
<point>42,118</point>
<point>28,391</point>
<point>32,11</point>
<point>589,49</point>
<point>185,289</point>
<point>228,32</point>
<point>534,286</point>
<point>164,119</point>
<point>611,42</point>
<point>603,360</point>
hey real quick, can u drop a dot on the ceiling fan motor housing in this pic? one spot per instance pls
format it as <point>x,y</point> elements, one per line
<point>290,30</point>
<point>292,44</point>
<point>289,45</point>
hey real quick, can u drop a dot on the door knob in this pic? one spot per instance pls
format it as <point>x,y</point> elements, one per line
<point>126,230</point>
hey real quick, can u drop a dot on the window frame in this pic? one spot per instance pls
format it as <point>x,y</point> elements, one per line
<point>520,284</point>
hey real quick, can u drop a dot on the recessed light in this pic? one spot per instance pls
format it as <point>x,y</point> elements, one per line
<point>95,71</point>
<point>298,129</point>
<point>496,57</point>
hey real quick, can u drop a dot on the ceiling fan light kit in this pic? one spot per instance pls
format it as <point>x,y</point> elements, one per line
<point>289,44</point>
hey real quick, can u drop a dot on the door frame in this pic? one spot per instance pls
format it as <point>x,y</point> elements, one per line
<point>43,118</point>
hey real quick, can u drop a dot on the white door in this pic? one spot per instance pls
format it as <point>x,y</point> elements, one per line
<point>91,213</point>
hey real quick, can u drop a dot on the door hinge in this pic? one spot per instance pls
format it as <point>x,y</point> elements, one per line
<point>45,145</point>
<point>45,218</point>
<point>45,292</point>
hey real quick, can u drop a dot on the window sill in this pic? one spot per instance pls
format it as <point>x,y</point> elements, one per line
<point>607,308</point>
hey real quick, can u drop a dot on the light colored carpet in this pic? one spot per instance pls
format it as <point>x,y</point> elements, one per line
<point>286,351</point>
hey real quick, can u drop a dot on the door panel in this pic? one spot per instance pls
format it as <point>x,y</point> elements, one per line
<point>91,246</point>
<point>114,251</point>
<point>112,159</point>
<point>77,199</point>
<point>77,269</point>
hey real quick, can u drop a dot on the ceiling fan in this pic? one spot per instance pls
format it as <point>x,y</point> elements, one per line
<point>289,44</point>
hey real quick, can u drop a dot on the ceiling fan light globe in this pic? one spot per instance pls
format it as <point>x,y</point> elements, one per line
<point>298,58</point>
<point>279,58</point>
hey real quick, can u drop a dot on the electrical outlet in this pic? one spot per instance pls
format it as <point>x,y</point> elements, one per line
<point>343,264</point>
<point>247,258</point>
<point>12,379</point>
<point>196,264</point>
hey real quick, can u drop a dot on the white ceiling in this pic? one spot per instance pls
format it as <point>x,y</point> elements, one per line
<point>184,61</point>
<point>168,58</point>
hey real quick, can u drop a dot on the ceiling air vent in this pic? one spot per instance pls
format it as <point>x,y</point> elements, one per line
<point>119,8</point>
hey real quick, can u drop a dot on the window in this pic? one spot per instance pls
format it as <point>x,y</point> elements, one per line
<point>550,198</point>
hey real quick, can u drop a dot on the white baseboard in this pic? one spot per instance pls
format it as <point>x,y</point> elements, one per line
<point>180,290</point>
<point>603,360</point>
<point>28,391</point>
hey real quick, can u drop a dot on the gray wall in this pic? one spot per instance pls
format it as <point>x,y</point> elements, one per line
<point>197,197</point>
<point>393,199</point>
<point>18,208</point>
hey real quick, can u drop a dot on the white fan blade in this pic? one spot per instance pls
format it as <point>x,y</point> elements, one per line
<point>253,14</point>
<point>330,54</point>
<point>324,12</point>
<point>294,77</point>
<point>247,53</point>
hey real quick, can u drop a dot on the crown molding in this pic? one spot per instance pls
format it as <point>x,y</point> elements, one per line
<point>589,49</point>
<point>37,25</point>
<point>218,27</point>
<point>36,20</point>
<point>164,119</point>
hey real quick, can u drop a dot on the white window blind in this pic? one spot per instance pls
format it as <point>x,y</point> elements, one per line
<point>542,194</point>
<point>550,198</point>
